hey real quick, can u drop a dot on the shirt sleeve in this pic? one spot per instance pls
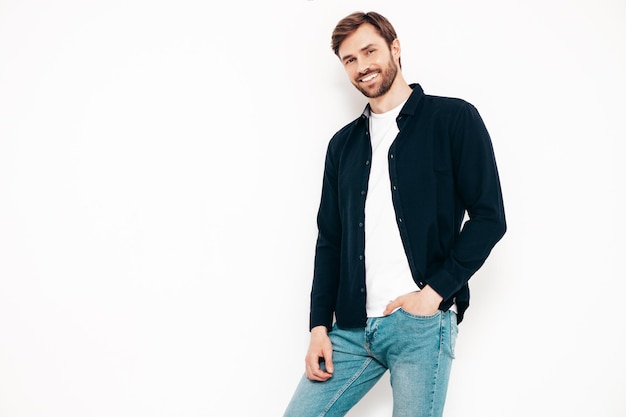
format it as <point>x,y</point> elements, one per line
<point>327,249</point>
<point>478,184</point>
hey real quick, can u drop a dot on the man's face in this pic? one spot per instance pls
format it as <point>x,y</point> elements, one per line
<point>370,64</point>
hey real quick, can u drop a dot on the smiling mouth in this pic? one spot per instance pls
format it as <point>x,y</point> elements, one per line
<point>369,77</point>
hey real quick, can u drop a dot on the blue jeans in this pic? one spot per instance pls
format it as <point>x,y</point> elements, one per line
<point>417,350</point>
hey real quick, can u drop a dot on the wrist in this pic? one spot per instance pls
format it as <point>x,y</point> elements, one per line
<point>434,295</point>
<point>319,330</point>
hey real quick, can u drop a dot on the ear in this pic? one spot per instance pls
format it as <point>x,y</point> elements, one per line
<point>395,49</point>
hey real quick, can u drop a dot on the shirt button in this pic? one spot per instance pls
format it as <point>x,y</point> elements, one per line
<point>421,283</point>
<point>363,192</point>
<point>400,219</point>
<point>391,156</point>
<point>360,257</point>
<point>361,224</point>
<point>395,188</point>
<point>367,162</point>
<point>362,289</point>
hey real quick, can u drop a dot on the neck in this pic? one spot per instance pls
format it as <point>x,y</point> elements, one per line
<point>398,93</point>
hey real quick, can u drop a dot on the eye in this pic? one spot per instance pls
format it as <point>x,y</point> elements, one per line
<point>349,61</point>
<point>371,51</point>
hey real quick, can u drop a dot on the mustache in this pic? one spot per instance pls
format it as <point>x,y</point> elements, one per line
<point>367,71</point>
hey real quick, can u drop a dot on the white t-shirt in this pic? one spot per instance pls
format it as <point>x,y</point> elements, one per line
<point>387,272</point>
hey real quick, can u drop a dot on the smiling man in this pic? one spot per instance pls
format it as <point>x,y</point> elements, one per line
<point>393,256</point>
<point>374,74</point>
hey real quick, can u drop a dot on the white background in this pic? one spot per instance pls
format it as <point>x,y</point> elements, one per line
<point>160,170</point>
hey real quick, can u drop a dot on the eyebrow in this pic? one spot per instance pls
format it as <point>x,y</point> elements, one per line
<point>368,46</point>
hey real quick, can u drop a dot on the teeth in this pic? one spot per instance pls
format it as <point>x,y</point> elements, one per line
<point>369,77</point>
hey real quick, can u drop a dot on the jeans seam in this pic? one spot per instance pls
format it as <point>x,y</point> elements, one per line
<point>346,386</point>
<point>438,367</point>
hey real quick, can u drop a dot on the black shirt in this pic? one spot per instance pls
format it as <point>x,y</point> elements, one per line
<point>441,165</point>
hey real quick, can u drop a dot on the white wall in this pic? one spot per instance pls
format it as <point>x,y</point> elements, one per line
<point>160,168</point>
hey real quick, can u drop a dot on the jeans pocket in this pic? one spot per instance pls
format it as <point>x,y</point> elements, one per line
<point>419,317</point>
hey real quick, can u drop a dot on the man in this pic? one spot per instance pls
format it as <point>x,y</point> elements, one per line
<point>393,257</point>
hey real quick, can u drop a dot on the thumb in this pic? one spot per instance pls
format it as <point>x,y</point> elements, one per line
<point>392,306</point>
<point>328,360</point>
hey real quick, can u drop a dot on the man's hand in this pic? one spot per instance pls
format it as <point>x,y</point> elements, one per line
<point>320,347</point>
<point>421,303</point>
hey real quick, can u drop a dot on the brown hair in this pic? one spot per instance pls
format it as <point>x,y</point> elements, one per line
<point>352,22</point>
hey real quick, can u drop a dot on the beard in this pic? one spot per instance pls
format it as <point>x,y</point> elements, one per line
<point>388,76</point>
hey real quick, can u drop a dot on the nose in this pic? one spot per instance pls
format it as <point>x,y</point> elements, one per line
<point>363,66</point>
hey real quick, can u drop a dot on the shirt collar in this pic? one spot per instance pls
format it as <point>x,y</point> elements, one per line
<point>409,107</point>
